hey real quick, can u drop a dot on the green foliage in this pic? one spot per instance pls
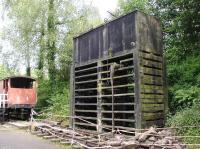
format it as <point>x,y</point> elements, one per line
<point>187,117</point>
<point>126,6</point>
<point>183,97</point>
<point>5,72</point>
<point>59,102</point>
<point>53,102</point>
<point>180,20</point>
<point>183,79</point>
<point>44,95</point>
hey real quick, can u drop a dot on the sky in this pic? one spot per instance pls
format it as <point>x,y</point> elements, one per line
<point>104,6</point>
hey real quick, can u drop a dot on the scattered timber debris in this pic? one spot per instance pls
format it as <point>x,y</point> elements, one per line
<point>154,139</point>
<point>150,139</point>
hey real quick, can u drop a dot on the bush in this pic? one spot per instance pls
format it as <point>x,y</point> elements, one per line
<point>53,102</point>
<point>184,83</point>
<point>59,103</point>
<point>44,95</point>
<point>183,97</point>
<point>187,117</point>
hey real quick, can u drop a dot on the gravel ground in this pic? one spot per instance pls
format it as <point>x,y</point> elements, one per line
<point>12,138</point>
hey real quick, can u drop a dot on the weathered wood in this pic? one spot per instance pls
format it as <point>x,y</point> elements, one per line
<point>152,116</point>
<point>134,43</point>
<point>152,100</point>
<point>151,80</point>
<point>138,116</point>
<point>152,64</point>
<point>165,88</point>
<point>152,96</point>
<point>152,107</point>
<point>99,100</point>
<point>151,71</point>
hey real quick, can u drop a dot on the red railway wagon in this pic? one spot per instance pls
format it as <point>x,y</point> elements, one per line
<point>17,96</point>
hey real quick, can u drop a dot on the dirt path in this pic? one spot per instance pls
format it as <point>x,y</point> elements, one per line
<point>12,138</point>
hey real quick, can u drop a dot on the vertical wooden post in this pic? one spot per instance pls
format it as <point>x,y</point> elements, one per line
<point>71,96</point>
<point>72,85</point>
<point>99,99</point>
<point>165,88</point>
<point>138,115</point>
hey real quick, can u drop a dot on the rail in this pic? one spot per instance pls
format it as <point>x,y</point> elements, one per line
<point>3,100</point>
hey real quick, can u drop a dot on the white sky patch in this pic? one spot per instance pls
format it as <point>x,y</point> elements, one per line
<point>104,6</point>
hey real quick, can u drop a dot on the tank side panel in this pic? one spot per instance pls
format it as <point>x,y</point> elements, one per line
<point>83,48</point>
<point>117,36</point>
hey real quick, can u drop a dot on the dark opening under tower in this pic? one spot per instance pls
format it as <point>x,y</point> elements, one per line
<point>118,76</point>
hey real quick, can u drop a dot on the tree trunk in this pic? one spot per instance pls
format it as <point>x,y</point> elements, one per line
<point>42,49</point>
<point>51,43</point>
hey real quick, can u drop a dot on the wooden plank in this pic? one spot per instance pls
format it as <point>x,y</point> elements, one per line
<point>118,77</point>
<point>94,96</point>
<point>85,124</point>
<point>152,51</point>
<point>119,95</point>
<point>152,91</point>
<point>153,116</point>
<point>86,118</point>
<point>152,96</point>
<point>86,69</point>
<point>119,111</point>
<point>86,104</point>
<point>89,81</point>
<point>120,127</point>
<point>157,122</point>
<point>151,71</point>
<point>118,104</point>
<point>122,120</point>
<point>85,89</point>
<point>86,76</point>
<point>150,56</point>
<point>152,107</point>
<point>146,79</point>
<point>149,63</point>
<point>155,100</point>
<point>151,87</point>
<point>86,111</point>
<point>119,86</point>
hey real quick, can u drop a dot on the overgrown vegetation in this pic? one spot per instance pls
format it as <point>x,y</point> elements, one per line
<point>187,117</point>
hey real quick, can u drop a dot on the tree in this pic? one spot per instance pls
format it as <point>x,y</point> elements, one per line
<point>180,20</point>
<point>126,6</point>
<point>23,31</point>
